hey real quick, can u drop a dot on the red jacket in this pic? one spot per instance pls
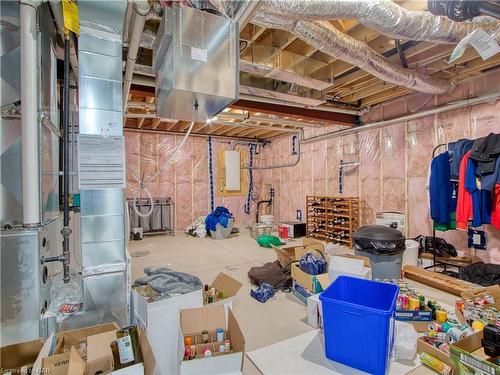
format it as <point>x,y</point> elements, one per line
<point>464,200</point>
<point>495,210</point>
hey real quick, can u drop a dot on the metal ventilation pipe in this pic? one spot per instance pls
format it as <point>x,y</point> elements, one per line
<point>384,16</point>
<point>29,113</point>
<point>328,39</point>
<point>140,10</point>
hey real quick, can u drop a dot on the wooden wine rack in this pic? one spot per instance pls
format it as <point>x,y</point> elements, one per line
<point>332,219</point>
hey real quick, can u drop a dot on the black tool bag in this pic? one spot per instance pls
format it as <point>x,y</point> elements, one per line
<point>443,248</point>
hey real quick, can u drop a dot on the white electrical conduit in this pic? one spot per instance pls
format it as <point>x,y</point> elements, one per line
<point>384,16</point>
<point>300,137</point>
<point>328,39</point>
<point>140,11</point>
<point>143,185</point>
<point>380,124</point>
<point>29,113</point>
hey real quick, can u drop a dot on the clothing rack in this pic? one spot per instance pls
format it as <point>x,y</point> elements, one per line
<point>443,263</point>
<point>434,261</point>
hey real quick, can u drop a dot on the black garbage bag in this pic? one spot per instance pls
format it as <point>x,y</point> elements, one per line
<point>484,274</point>
<point>443,248</point>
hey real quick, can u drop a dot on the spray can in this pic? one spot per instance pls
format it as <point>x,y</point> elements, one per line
<point>456,333</point>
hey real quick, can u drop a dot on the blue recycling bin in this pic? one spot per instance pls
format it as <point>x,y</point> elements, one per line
<point>358,322</point>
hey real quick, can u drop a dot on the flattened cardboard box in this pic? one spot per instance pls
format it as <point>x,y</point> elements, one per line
<point>194,321</point>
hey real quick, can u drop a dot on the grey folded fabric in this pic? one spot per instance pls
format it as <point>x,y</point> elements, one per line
<point>169,282</point>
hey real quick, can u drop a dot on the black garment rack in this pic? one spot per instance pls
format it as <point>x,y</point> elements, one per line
<point>440,262</point>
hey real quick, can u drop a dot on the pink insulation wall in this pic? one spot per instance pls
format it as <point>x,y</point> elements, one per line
<point>186,180</point>
<point>393,161</point>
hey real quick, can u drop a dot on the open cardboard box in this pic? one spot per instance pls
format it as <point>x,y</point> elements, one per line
<point>19,358</point>
<point>209,318</point>
<point>86,351</point>
<point>423,347</point>
<point>288,254</point>
<point>309,281</point>
<point>226,283</point>
<point>469,357</point>
<point>493,291</point>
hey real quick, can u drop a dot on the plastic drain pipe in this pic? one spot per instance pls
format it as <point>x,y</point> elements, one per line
<point>29,114</point>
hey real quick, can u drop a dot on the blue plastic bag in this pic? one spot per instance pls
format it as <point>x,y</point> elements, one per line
<point>313,265</point>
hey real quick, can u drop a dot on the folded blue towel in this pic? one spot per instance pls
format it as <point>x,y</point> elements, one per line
<point>313,265</point>
<point>263,292</point>
<point>221,215</point>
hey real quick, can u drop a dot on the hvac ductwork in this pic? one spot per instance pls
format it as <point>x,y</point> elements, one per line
<point>326,38</point>
<point>384,16</point>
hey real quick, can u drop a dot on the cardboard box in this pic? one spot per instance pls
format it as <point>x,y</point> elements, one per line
<point>493,291</point>
<point>313,283</point>
<point>224,282</point>
<point>300,292</point>
<point>414,315</point>
<point>314,311</point>
<point>349,265</point>
<point>288,254</point>
<point>209,318</point>
<point>160,320</point>
<point>423,347</point>
<point>19,358</point>
<point>86,351</point>
<point>469,357</point>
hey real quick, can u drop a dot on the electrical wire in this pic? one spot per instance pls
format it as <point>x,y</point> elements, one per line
<point>143,184</point>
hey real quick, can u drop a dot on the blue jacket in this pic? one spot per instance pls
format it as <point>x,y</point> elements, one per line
<point>481,199</point>
<point>440,189</point>
<point>457,150</point>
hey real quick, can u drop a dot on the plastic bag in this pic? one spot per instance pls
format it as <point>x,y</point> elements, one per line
<point>312,264</point>
<point>267,240</point>
<point>405,342</point>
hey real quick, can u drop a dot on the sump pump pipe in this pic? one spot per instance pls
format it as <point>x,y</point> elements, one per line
<point>300,137</point>
<point>29,114</point>
<point>380,124</point>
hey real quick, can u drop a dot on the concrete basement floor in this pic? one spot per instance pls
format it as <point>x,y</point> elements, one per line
<point>262,324</point>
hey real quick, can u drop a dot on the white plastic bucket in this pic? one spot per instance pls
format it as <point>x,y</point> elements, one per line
<point>410,255</point>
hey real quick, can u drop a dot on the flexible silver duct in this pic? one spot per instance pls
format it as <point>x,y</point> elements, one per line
<point>384,16</point>
<point>328,39</point>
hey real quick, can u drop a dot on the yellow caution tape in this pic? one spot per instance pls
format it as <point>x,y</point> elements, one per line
<point>70,16</point>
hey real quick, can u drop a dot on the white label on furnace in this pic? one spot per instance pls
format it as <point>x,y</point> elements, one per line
<point>484,44</point>
<point>199,54</point>
<point>125,349</point>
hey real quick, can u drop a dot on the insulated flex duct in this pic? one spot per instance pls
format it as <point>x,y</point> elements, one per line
<point>384,16</point>
<point>326,38</point>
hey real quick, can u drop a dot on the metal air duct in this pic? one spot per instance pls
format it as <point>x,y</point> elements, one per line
<point>197,61</point>
<point>384,16</point>
<point>326,38</point>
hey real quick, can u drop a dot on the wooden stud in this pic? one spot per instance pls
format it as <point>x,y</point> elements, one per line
<point>155,123</point>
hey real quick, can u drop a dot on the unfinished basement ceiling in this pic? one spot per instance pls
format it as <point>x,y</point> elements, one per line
<point>277,66</point>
